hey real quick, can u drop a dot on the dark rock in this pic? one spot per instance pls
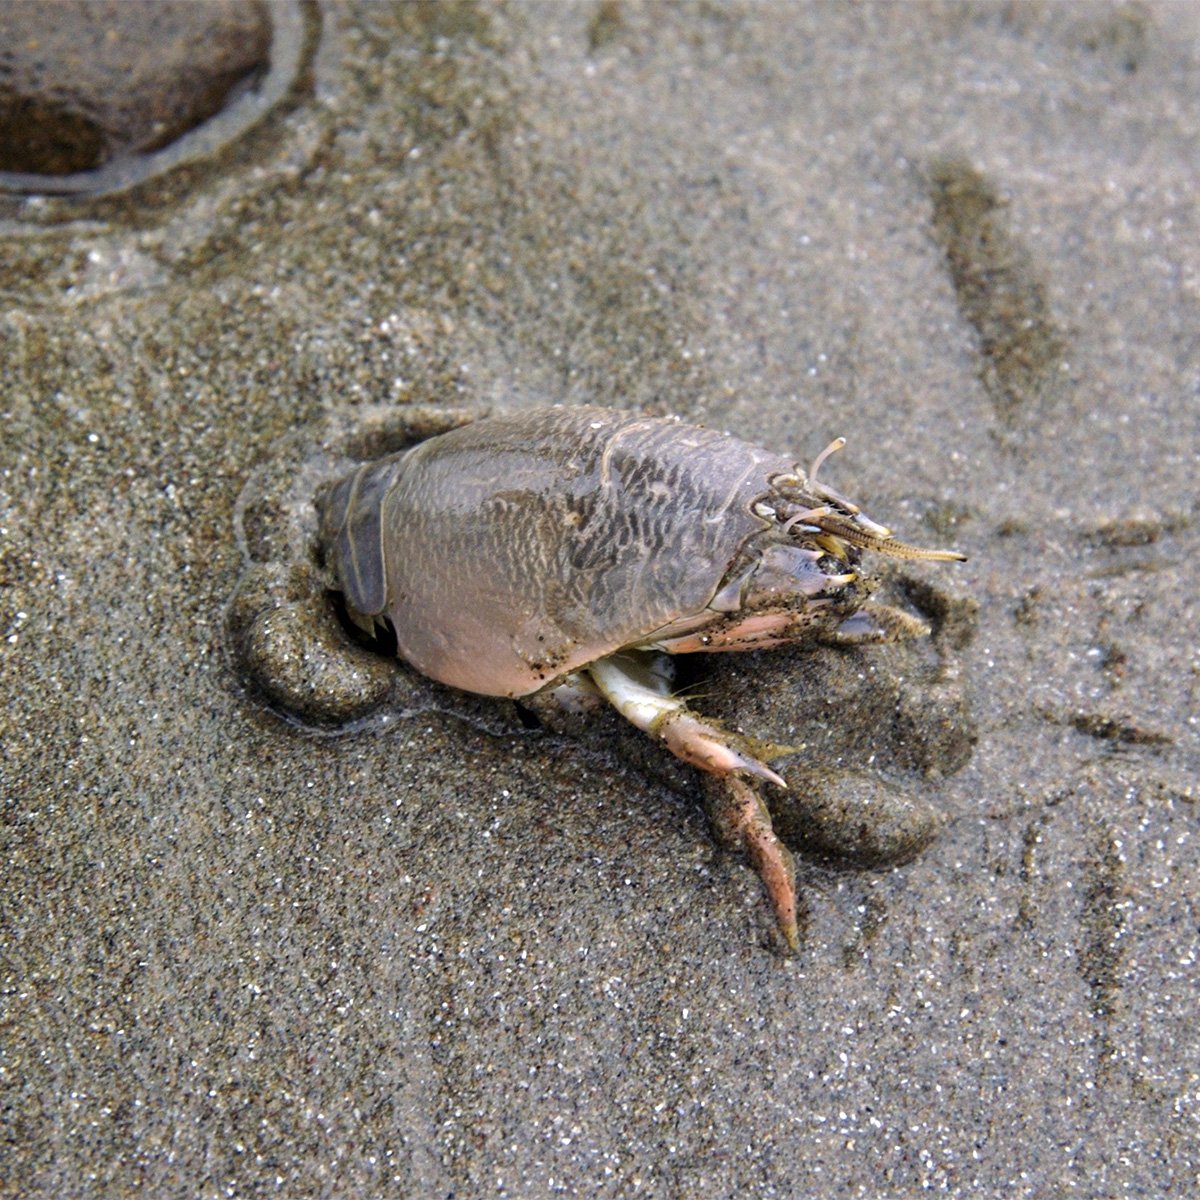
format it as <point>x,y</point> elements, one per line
<point>83,82</point>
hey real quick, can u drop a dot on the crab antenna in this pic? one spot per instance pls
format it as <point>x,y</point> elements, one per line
<point>888,545</point>
<point>894,549</point>
<point>832,448</point>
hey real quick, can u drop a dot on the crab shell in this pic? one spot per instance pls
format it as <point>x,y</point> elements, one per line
<point>522,547</point>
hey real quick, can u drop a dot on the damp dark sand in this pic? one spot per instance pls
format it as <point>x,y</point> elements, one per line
<point>427,959</point>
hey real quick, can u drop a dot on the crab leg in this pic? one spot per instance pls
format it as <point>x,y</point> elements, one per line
<point>741,821</point>
<point>638,686</point>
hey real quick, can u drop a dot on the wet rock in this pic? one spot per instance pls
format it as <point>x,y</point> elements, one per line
<point>84,82</point>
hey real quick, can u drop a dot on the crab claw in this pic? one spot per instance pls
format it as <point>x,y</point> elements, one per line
<point>878,623</point>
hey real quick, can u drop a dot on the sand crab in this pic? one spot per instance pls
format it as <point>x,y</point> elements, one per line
<point>568,552</point>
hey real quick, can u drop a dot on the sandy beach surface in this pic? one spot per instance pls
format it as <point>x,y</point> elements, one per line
<point>440,954</point>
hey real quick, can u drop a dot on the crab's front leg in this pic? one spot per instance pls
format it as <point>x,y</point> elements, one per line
<point>639,685</point>
<point>769,628</point>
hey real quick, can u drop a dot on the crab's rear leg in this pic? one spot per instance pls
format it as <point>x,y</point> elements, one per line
<point>741,821</point>
<point>639,685</point>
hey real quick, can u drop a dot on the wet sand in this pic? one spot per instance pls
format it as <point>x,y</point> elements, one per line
<point>441,956</point>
